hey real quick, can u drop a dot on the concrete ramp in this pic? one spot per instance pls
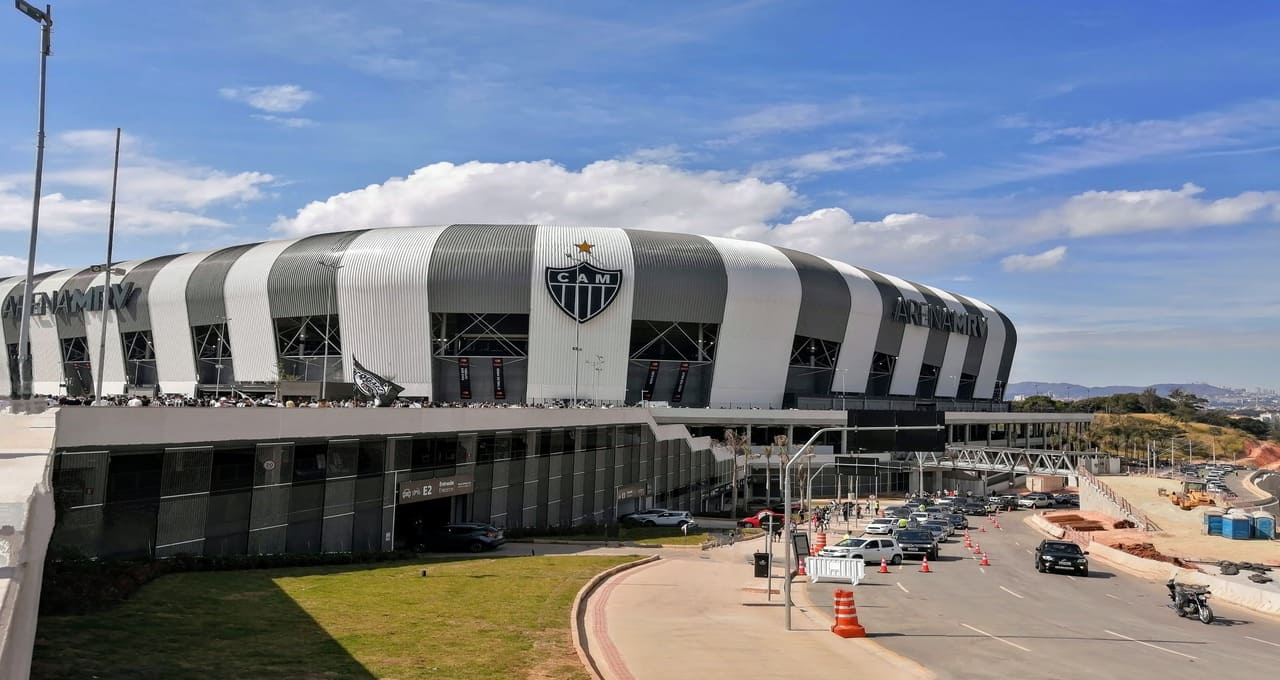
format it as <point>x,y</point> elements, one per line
<point>26,524</point>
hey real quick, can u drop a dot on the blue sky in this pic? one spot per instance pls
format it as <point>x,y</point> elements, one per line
<point>1103,172</point>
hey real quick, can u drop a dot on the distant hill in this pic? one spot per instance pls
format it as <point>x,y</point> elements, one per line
<point>1065,390</point>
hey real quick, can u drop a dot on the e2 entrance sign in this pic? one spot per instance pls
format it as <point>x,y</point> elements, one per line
<point>441,487</point>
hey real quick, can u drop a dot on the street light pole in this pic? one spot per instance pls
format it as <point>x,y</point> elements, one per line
<point>328,300</point>
<point>786,497</point>
<point>222,334</point>
<point>106,286</point>
<point>24,326</point>
<point>841,372</point>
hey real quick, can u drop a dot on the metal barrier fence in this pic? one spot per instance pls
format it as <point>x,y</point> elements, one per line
<point>835,569</point>
<point>1135,514</point>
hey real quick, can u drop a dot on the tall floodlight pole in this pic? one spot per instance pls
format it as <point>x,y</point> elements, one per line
<point>106,286</point>
<point>24,326</point>
<point>328,301</point>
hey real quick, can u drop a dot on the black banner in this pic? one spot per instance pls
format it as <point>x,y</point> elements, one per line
<point>499,381</point>
<point>681,379</point>
<point>464,378</point>
<point>650,381</point>
<point>380,390</point>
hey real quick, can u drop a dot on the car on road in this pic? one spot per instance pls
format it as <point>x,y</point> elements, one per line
<point>469,536</point>
<point>898,511</point>
<point>958,521</point>
<point>1035,500</point>
<point>1070,500</point>
<point>639,518</point>
<point>917,542</point>
<point>760,520</point>
<point>881,526</point>
<point>869,549</point>
<point>1054,555</point>
<point>670,518</point>
<point>940,528</point>
<point>1004,502</point>
<point>974,507</point>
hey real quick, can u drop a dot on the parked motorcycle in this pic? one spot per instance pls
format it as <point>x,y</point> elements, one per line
<point>1190,601</point>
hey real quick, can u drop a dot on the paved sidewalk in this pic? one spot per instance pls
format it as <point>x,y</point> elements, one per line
<point>703,615</point>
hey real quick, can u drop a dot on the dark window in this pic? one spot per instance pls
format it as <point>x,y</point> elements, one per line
<point>372,455</point>
<point>673,341</point>
<point>928,382</point>
<point>881,374</point>
<point>480,335</point>
<point>214,364</point>
<point>814,352</point>
<point>139,358</point>
<point>309,346</point>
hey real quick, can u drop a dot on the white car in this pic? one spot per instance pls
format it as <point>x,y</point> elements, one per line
<point>882,526</point>
<point>1035,500</point>
<point>670,518</point>
<point>869,549</point>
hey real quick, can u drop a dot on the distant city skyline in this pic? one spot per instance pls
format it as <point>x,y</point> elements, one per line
<point>1047,159</point>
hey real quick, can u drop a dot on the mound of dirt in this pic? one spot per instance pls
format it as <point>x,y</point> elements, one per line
<point>1149,552</point>
<point>1264,455</point>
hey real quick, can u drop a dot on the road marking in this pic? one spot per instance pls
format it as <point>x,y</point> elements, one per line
<point>1112,596</point>
<point>1148,644</point>
<point>1011,592</point>
<point>904,589</point>
<point>1071,577</point>
<point>983,569</point>
<point>1016,543</point>
<point>983,632</point>
<point>1262,641</point>
<point>1028,550</point>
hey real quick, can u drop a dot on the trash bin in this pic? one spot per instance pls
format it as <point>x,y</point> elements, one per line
<point>762,565</point>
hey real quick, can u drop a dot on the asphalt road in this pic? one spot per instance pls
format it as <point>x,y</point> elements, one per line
<point>1008,620</point>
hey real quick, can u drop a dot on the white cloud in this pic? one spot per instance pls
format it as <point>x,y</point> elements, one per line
<point>610,192</point>
<point>156,196</point>
<point>1034,263</point>
<point>290,122</point>
<point>669,154</point>
<point>1095,213</point>
<point>835,160</point>
<point>270,98</point>
<point>17,266</point>
<point>792,117</point>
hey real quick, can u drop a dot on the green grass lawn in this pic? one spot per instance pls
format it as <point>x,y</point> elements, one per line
<point>655,536</point>
<point>468,618</point>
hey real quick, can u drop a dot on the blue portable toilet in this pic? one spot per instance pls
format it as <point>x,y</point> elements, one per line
<point>1237,524</point>
<point>1213,521</point>
<point>1264,525</point>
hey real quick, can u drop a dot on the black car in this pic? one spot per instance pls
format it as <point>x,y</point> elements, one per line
<point>917,541</point>
<point>958,520</point>
<point>1051,555</point>
<point>973,507</point>
<point>1069,500</point>
<point>470,536</point>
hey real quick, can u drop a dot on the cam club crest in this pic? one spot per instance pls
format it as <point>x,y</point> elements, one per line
<point>583,290</point>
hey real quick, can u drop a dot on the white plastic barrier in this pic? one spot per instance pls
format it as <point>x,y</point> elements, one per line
<point>835,569</point>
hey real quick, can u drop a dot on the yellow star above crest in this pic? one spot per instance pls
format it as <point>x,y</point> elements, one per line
<point>584,247</point>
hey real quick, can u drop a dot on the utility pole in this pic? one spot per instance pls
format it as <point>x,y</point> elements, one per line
<point>45,18</point>
<point>106,286</point>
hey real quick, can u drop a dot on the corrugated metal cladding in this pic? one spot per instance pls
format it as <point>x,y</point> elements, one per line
<point>935,349</point>
<point>985,385</point>
<point>46,350</point>
<point>72,325</point>
<point>298,284</point>
<point>889,338</point>
<point>957,345</point>
<point>858,346</point>
<point>170,330</point>
<point>906,370</point>
<point>206,292</point>
<point>482,268</point>
<point>15,290</point>
<point>824,298</point>
<point>137,316</point>
<point>113,362</point>
<point>1010,344</point>
<point>679,277</point>
<point>973,355</point>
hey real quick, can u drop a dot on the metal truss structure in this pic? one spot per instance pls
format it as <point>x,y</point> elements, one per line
<point>1020,461</point>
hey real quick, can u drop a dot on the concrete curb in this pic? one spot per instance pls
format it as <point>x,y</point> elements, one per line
<point>908,666</point>
<point>578,613</point>
<point>1253,599</point>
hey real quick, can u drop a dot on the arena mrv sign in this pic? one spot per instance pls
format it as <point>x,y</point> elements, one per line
<point>71,301</point>
<point>939,317</point>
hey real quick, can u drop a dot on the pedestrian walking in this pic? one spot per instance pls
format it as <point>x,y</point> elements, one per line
<point>859,513</point>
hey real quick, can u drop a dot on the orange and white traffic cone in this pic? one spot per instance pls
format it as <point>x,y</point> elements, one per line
<point>977,550</point>
<point>800,571</point>
<point>968,543</point>
<point>924,565</point>
<point>984,562</point>
<point>884,567</point>
<point>846,612</point>
<point>982,530</point>
<point>998,526</point>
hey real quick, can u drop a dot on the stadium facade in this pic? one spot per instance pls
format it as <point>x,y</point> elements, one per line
<point>512,313</point>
